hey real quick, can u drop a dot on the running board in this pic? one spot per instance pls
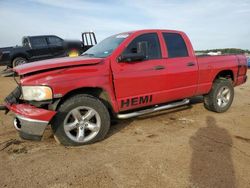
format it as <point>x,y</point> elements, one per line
<point>154,109</point>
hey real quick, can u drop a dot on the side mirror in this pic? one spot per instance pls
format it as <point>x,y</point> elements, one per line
<point>131,57</point>
<point>140,55</point>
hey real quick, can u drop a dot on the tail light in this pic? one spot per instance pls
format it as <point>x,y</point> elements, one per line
<point>242,67</point>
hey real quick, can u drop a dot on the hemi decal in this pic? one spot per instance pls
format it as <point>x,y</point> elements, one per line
<point>136,101</point>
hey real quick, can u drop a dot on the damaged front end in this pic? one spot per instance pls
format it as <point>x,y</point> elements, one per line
<point>30,121</point>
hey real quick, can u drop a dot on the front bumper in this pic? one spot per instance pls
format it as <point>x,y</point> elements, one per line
<point>30,121</point>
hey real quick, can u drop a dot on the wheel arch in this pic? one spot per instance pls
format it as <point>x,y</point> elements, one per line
<point>23,55</point>
<point>96,92</point>
<point>226,74</point>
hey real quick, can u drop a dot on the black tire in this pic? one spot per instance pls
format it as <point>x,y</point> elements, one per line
<point>64,112</point>
<point>18,61</point>
<point>213,99</point>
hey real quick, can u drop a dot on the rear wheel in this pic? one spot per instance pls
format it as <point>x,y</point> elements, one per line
<point>18,61</point>
<point>220,98</point>
<point>81,120</point>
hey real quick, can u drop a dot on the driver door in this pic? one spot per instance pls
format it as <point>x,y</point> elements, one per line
<point>140,83</point>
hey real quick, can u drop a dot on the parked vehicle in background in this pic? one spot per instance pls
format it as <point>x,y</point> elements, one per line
<point>44,47</point>
<point>125,75</point>
<point>248,62</point>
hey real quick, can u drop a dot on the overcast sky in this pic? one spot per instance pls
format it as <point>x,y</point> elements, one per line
<point>208,23</point>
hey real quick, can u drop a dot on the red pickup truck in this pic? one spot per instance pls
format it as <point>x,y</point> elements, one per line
<point>125,75</point>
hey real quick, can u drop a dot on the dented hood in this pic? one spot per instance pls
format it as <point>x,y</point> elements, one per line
<point>55,64</point>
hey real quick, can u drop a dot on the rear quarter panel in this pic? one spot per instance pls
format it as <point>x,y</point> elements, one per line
<point>211,66</point>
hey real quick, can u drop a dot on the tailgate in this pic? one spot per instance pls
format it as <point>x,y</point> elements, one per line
<point>242,65</point>
<point>242,69</point>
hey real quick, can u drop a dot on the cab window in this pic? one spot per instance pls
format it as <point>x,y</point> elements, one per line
<point>38,42</point>
<point>54,40</point>
<point>175,44</point>
<point>25,42</point>
<point>154,50</point>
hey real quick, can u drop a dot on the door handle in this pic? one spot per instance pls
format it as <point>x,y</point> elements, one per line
<point>190,64</point>
<point>159,67</point>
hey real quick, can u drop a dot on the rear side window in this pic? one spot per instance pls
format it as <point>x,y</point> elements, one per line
<point>54,40</point>
<point>175,44</point>
<point>154,50</point>
<point>38,42</point>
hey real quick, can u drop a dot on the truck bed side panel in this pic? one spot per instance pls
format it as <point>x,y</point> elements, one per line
<point>210,67</point>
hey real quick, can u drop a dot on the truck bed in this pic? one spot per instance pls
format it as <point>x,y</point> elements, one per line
<point>209,66</point>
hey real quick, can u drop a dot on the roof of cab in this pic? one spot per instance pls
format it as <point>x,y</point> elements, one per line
<point>151,30</point>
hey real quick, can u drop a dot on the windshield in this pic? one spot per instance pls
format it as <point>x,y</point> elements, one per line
<point>106,47</point>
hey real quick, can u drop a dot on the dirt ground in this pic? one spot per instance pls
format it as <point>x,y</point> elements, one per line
<point>184,147</point>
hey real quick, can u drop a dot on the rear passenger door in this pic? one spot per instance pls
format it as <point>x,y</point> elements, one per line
<point>39,48</point>
<point>181,67</point>
<point>56,45</point>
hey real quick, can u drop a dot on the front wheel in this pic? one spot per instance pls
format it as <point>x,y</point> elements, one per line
<point>221,96</point>
<point>81,120</point>
<point>18,61</point>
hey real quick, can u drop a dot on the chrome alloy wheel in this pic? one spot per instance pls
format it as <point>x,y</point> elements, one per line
<point>21,62</point>
<point>82,124</point>
<point>223,96</point>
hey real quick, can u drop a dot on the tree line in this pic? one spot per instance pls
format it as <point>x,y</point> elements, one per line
<point>226,51</point>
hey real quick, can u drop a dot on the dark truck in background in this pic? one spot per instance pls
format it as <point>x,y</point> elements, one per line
<point>44,47</point>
